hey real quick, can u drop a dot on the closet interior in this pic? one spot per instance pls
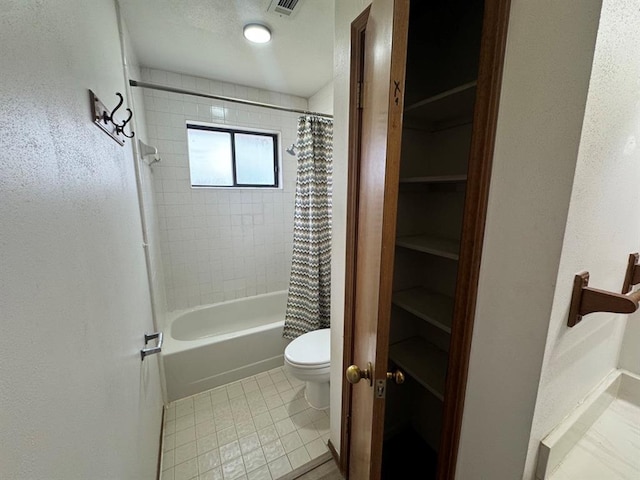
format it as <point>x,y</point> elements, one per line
<point>440,91</point>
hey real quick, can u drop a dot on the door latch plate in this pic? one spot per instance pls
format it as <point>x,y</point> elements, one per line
<point>381,388</point>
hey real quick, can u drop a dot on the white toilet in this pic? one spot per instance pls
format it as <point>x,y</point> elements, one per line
<point>307,358</point>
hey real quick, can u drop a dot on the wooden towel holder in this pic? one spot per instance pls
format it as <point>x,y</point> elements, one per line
<point>587,300</point>
<point>633,273</point>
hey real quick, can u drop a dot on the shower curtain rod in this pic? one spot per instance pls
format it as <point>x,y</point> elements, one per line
<point>135,83</point>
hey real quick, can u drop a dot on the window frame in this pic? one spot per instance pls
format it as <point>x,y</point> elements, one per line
<point>275,135</point>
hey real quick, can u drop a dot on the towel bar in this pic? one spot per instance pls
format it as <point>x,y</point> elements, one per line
<point>586,300</point>
<point>633,273</point>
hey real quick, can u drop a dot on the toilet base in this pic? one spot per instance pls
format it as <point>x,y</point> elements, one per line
<point>317,395</point>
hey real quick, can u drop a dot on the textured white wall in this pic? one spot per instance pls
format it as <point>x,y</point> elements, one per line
<point>630,354</point>
<point>603,225</point>
<point>77,402</point>
<point>322,100</point>
<point>218,244</point>
<point>346,12</point>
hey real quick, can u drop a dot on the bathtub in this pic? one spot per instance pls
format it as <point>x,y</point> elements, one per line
<point>209,346</point>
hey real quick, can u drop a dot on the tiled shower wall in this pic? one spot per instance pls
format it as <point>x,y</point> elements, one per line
<point>218,244</point>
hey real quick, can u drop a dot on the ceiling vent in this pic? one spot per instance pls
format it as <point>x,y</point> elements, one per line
<point>284,8</point>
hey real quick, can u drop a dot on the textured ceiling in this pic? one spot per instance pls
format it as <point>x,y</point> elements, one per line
<point>204,38</point>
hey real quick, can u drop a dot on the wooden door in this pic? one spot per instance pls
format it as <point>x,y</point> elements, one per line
<point>382,105</point>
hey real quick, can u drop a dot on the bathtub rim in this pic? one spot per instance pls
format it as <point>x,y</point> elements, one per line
<point>174,314</point>
<point>172,345</point>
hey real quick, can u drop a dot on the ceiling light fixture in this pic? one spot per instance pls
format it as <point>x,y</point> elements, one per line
<point>257,33</point>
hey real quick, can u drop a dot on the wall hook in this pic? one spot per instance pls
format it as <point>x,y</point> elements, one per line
<point>109,117</point>
<point>120,128</point>
<point>105,118</point>
<point>586,300</point>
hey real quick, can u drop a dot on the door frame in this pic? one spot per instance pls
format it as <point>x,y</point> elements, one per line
<point>492,53</point>
<point>358,27</point>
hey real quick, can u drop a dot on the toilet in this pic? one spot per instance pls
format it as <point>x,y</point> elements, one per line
<point>307,358</point>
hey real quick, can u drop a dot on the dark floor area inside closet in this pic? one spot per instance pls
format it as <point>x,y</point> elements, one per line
<point>406,455</point>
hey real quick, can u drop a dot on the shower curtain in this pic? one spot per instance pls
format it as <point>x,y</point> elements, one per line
<point>309,296</point>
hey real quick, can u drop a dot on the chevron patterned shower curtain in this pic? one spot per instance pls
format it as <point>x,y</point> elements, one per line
<point>309,298</point>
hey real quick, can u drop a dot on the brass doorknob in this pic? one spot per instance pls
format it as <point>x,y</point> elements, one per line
<point>354,374</point>
<point>397,376</point>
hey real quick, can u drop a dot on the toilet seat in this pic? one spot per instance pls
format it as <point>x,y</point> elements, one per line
<point>308,366</point>
<point>310,350</point>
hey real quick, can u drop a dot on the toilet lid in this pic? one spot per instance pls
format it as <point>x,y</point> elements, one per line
<point>311,348</point>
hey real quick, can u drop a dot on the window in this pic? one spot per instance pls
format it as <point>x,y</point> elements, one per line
<point>230,157</point>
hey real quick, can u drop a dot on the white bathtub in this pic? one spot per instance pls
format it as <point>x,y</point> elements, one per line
<point>205,347</point>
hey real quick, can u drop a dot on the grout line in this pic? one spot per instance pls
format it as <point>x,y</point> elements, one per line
<point>311,428</point>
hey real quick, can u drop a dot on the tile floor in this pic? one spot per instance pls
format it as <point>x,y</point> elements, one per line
<point>258,428</point>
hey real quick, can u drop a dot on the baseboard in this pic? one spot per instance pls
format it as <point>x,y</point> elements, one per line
<point>307,467</point>
<point>334,453</point>
<point>560,441</point>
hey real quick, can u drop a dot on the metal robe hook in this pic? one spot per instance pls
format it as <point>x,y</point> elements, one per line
<point>113,112</point>
<point>105,119</point>
<point>120,128</point>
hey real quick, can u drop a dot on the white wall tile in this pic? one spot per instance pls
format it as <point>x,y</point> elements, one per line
<point>218,244</point>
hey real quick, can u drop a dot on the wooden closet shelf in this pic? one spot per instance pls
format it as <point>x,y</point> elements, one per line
<point>435,179</point>
<point>423,361</point>
<point>441,247</point>
<point>455,103</point>
<point>432,307</point>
